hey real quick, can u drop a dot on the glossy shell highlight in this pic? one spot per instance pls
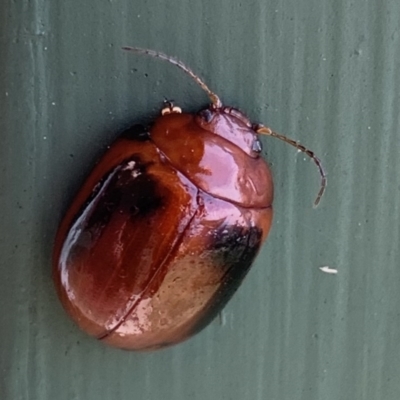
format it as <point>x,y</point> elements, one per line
<point>164,230</point>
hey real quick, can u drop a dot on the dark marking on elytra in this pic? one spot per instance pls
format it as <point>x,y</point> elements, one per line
<point>128,189</point>
<point>234,248</point>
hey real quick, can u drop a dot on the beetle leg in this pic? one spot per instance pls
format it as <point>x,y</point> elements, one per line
<point>170,108</point>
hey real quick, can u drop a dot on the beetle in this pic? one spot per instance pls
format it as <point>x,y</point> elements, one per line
<point>167,225</point>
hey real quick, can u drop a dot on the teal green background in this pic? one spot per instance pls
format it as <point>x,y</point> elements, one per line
<point>325,72</point>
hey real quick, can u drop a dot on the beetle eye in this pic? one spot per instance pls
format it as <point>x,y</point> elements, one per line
<point>206,115</point>
<point>257,146</point>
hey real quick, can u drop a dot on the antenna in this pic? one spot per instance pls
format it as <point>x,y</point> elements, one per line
<point>215,100</point>
<point>213,97</point>
<point>264,130</point>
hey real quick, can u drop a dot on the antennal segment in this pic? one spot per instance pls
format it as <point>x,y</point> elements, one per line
<point>261,129</point>
<point>213,97</point>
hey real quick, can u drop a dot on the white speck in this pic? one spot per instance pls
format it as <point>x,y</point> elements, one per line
<point>53,103</point>
<point>44,137</point>
<point>130,166</point>
<point>328,270</point>
<point>45,48</point>
<point>135,173</point>
<point>6,94</point>
<point>369,127</point>
<point>323,59</point>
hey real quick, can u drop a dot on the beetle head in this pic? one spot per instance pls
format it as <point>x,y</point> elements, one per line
<point>231,124</point>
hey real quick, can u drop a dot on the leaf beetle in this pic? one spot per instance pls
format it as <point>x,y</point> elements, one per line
<point>167,225</point>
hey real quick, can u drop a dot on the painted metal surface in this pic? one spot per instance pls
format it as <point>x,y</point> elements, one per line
<point>323,72</point>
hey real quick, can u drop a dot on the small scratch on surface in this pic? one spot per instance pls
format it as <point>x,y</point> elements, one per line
<point>328,270</point>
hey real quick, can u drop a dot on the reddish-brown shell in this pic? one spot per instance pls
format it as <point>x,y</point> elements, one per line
<point>164,230</point>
